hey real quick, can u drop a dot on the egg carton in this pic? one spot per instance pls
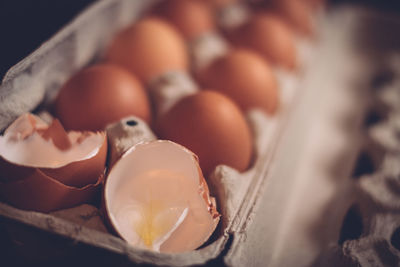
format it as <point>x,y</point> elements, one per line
<point>370,233</point>
<point>260,207</point>
<point>33,83</point>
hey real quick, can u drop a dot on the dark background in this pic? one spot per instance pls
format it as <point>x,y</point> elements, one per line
<point>25,24</point>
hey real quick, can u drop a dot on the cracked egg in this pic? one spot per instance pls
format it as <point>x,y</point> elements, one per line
<point>43,168</point>
<point>156,198</point>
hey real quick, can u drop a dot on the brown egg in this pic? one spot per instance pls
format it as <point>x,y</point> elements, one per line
<point>44,168</point>
<point>246,78</point>
<point>315,3</point>
<point>100,95</point>
<point>296,12</point>
<point>191,17</point>
<point>269,36</point>
<point>220,3</point>
<point>213,127</point>
<point>149,48</point>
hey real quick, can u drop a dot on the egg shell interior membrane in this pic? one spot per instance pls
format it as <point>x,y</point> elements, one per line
<point>23,144</point>
<point>157,199</point>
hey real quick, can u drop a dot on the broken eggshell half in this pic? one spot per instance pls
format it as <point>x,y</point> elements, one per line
<point>43,168</point>
<point>156,198</point>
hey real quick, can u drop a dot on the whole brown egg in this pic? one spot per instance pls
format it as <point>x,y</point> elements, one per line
<point>270,36</point>
<point>149,48</point>
<point>298,13</point>
<point>99,95</point>
<point>212,126</point>
<point>246,78</point>
<point>191,17</point>
<point>315,3</point>
<point>220,3</point>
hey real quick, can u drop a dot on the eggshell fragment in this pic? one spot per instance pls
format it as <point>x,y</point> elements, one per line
<point>191,17</point>
<point>40,192</point>
<point>246,78</point>
<point>149,48</point>
<point>269,36</point>
<point>43,168</point>
<point>99,95</point>
<point>156,198</point>
<point>212,126</point>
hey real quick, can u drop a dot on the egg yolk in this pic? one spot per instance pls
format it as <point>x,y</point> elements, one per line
<point>157,207</point>
<point>157,198</point>
<point>157,221</point>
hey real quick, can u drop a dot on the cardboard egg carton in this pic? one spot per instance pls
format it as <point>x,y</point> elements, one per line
<point>264,220</point>
<point>370,234</point>
<point>34,82</point>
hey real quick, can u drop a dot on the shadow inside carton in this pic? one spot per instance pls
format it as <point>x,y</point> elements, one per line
<point>352,226</point>
<point>364,166</point>
<point>373,117</point>
<point>395,239</point>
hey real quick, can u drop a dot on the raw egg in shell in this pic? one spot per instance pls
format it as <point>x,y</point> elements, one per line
<point>149,48</point>
<point>100,95</point>
<point>191,17</point>
<point>297,13</point>
<point>270,36</point>
<point>216,4</point>
<point>212,126</point>
<point>246,78</point>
